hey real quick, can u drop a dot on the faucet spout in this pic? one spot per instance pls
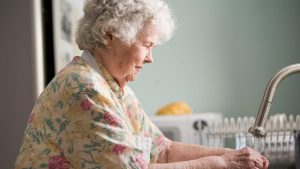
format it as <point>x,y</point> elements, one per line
<point>258,129</point>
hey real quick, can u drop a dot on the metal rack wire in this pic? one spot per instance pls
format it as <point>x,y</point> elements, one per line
<point>281,144</point>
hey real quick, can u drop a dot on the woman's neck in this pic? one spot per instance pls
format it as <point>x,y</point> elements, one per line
<point>102,55</point>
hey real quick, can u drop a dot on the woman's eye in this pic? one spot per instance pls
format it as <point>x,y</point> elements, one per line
<point>148,45</point>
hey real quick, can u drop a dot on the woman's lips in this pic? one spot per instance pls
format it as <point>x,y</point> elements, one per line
<point>139,68</point>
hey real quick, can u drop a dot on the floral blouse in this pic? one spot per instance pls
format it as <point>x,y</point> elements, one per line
<point>84,120</point>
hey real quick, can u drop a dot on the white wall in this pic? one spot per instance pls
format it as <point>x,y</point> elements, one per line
<point>222,56</point>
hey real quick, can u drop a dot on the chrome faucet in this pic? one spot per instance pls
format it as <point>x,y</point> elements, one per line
<point>258,129</point>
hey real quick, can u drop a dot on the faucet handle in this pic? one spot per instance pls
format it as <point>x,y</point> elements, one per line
<point>257,131</point>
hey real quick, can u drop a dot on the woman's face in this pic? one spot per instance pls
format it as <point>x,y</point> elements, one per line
<point>124,61</point>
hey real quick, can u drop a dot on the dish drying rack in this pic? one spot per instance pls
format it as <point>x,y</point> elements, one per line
<point>281,143</point>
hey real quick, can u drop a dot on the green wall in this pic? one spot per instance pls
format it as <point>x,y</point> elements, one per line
<point>222,56</point>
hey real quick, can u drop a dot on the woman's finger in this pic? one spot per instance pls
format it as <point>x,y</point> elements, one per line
<point>265,162</point>
<point>252,158</point>
<point>258,164</point>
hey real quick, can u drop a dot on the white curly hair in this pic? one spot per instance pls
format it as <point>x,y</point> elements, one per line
<point>123,19</point>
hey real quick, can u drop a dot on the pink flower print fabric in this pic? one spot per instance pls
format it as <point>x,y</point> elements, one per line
<point>110,119</point>
<point>58,162</point>
<point>140,161</point>
<point>86,104</point>
<point>118,149</point>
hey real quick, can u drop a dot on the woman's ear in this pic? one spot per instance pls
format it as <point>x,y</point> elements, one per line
<point>109,35</point>
<point>109,38</point>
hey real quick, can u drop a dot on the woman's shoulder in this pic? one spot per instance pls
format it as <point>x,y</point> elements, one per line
<point>79,71</point>
<point>76,66</point>
<point>75,76</point>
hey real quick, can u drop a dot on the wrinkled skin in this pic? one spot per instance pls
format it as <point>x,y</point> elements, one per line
<point>245,158</point>
<point>189,156</point>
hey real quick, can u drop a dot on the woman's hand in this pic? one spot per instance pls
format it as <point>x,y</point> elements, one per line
<point>245,158</point>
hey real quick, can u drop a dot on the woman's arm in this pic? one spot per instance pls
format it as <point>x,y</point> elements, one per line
<point>187,156</point>
<point>190,156</point>
<point>178,151</point>
<point>215,162</point>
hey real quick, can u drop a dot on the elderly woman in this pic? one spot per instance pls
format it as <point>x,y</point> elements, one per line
<point>87,117</point>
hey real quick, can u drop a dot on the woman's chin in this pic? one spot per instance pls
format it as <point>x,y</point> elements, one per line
<point>131,78</point>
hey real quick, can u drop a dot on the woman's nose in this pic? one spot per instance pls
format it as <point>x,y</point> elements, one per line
<point>149,58</point>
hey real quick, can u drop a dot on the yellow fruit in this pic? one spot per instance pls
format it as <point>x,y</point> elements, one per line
<point>176,108</point>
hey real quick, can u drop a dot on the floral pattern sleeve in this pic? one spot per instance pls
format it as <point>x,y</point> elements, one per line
<point>159,141</point>
<point>146,127</point>
<point>106,140</point>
